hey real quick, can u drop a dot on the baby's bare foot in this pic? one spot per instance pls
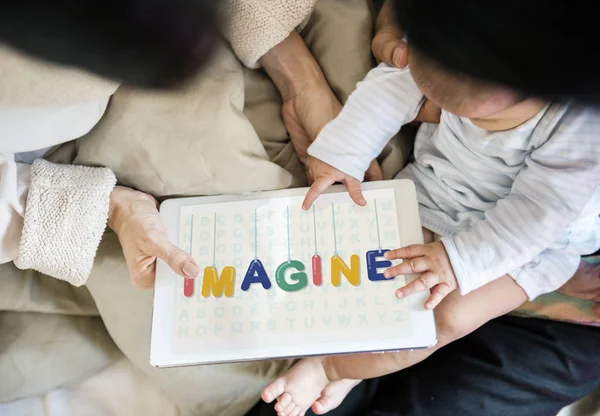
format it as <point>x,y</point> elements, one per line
<point>302,386</point>
<point>298,388</point>
<point>333,395</point>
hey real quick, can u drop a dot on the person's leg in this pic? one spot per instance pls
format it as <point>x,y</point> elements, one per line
<point>456,316</point>
<point>224,390</point>
<point>510,366</point>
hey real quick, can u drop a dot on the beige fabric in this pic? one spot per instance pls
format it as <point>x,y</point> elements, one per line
<point>256,26</point>
<point>29,82</point>
<point>263,110</point>
<point>39,352</point>
<point>347,59</point>
<point>56,337</point>
<point>190,141</point>
<point>30,291</point>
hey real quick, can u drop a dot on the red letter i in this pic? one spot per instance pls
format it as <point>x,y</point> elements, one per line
<point>316,270</point>
<point>188,287</point>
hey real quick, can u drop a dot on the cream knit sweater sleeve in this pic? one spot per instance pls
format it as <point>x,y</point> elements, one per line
<point>65,217</point>
<point>256,26</point>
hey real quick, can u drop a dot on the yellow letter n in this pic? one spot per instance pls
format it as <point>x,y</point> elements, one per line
<point>339,268</point>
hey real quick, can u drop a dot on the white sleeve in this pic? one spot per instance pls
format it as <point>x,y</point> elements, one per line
<point>387,99</point>
<point>52,217</point>
<point>548,271</point>
<point>14,185</point>
<point>558,180</point>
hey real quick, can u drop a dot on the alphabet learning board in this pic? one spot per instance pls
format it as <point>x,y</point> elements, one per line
<point>275,276</point>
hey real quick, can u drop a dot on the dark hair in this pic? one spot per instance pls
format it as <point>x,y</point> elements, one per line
<point>152,43</point>
<point>548,49</point>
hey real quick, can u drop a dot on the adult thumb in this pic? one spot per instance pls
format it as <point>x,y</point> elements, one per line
<point>178,260</point>
<point>389,48</point>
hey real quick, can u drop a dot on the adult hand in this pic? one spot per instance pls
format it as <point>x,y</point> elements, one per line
<point>134,217</point>
<point>308,102</point>
<point>585,285</point>
<point>306,113</point>
<point>388,47</point>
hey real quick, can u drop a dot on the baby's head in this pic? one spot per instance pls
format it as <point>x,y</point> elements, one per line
<point>544,49</point>
<point>457,93</point>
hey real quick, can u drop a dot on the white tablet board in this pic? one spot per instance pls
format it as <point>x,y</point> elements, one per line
<point>281,282</point>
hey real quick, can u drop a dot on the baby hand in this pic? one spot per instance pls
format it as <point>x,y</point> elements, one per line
<point>323,176</point>
<point>432,261</point>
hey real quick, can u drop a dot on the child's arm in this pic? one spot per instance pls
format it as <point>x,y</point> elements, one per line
<point>387,99</point>
<point>456,317</point>
<point>558,180</point>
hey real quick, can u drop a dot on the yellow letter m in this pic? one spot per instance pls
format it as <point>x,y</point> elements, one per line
<point>212,282</point>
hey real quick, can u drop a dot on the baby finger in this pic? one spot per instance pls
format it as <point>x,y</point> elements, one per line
<point>425,282</point>
<point>438,293</point>
<point>412,266</point>
<point>407,252</point>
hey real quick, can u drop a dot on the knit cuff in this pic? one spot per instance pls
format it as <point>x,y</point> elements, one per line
<point>256,26</point>
<point>65,217</point>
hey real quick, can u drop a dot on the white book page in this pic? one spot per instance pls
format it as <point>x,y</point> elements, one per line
<point>298,307</point>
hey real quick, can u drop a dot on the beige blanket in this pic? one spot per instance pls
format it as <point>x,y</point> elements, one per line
<point>221,133</point>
